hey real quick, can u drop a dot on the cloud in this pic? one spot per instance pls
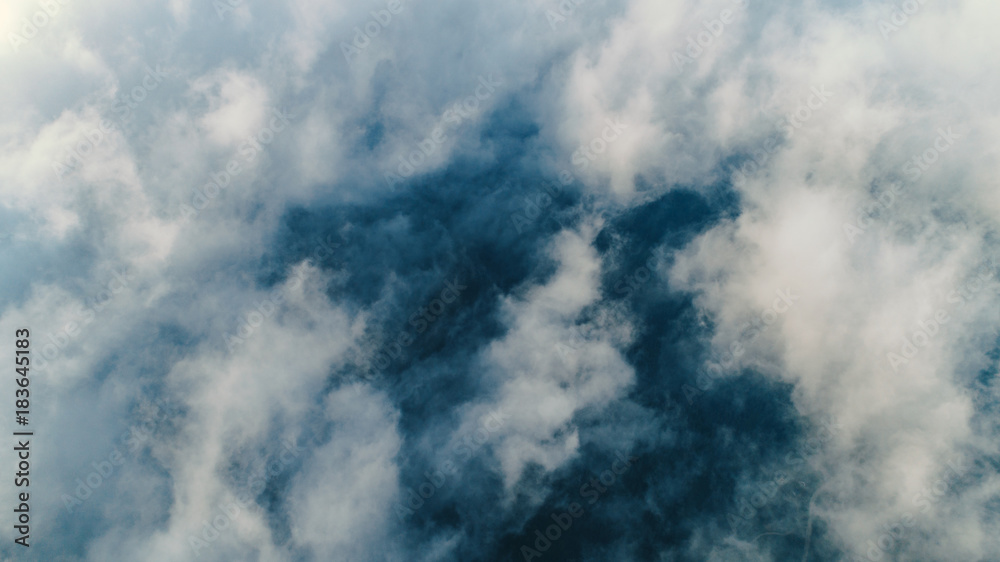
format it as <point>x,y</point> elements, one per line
<point>815,182</point>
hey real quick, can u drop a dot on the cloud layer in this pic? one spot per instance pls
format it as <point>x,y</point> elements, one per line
<point>529,280</point>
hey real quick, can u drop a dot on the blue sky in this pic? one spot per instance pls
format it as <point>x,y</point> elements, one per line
<point>503,281</point>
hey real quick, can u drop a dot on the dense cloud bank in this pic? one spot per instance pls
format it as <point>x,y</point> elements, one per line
<point>504,281</point>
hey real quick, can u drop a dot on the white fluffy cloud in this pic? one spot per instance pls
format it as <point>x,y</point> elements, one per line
<point>742,107</point>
